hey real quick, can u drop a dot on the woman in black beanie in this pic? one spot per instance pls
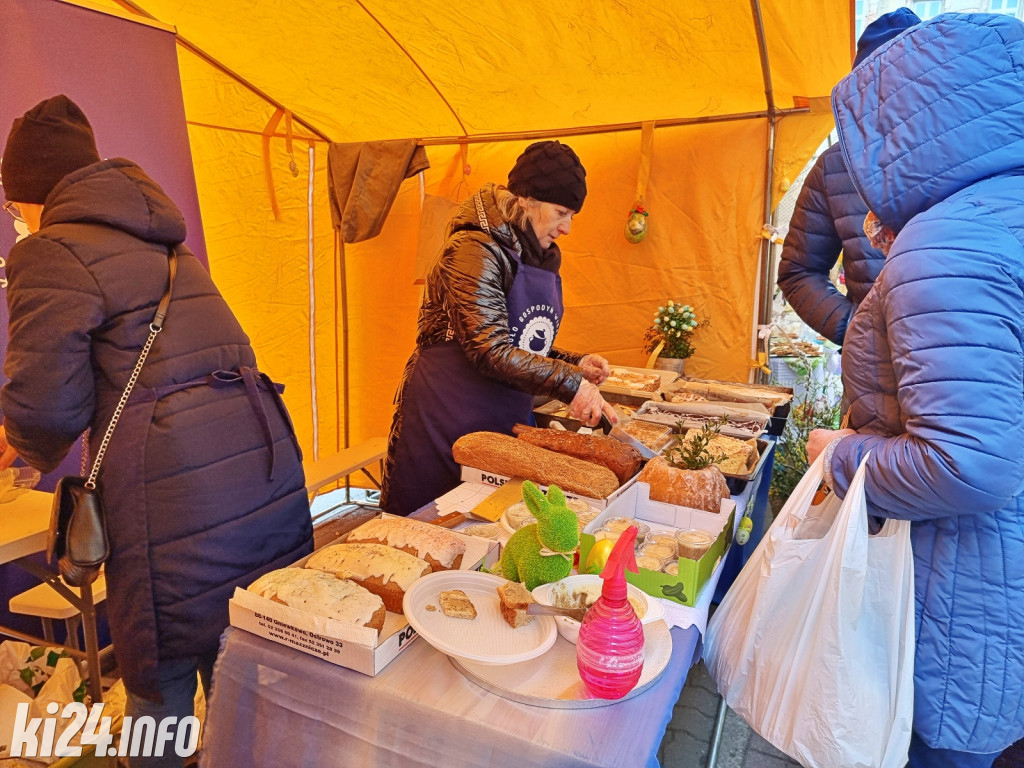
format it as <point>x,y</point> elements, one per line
<point>202,482</point>
<point>487,325</point>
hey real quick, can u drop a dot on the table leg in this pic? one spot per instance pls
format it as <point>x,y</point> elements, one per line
<point>716,734</point>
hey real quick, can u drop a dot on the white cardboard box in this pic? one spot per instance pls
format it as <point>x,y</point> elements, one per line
<point>473,475</point>
<point>357,648</point>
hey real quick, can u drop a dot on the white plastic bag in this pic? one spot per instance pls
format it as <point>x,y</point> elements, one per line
<point>814,643</point>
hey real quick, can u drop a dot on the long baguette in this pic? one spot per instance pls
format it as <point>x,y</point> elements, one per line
<point>504,455</point>
<point>624,460</point>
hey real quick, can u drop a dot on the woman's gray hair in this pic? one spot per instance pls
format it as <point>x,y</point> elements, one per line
<point>513,207</point>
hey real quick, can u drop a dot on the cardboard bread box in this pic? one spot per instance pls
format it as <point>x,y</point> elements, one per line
<point>686,585</point>
<point>357,648</point>
<point>474,475</point>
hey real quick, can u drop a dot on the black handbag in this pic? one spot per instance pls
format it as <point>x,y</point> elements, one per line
<point>78,530</point>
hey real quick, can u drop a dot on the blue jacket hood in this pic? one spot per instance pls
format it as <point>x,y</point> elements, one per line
<point>937,110</point>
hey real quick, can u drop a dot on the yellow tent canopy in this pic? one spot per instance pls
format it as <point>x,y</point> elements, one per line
<point>729,85</point>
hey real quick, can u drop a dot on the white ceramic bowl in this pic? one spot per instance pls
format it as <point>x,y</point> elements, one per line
<point>570,628</point>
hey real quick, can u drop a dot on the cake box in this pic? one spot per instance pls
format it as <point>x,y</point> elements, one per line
<point>357,648</point>
<point>685,587</point>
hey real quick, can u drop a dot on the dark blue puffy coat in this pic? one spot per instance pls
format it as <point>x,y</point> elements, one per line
<point>192,508</point>
<point>932,127</point>
<point>828,218</point>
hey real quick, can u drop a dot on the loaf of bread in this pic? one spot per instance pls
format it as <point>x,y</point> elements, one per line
<point>385,571</point>
<point>624,460</point>
<point>505,455</point>
<point>694,488</point>
<point>441,548</point>
<point>322,594</point>
<point>514,599</point>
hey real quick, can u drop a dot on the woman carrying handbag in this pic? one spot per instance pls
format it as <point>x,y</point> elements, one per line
<point>201,480</point>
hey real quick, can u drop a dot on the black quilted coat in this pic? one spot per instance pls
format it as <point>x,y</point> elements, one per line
<point>829,219</point>
<point>202,481</point>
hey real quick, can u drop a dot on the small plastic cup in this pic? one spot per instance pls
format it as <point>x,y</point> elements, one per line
<point>666,539</point>
<point>660,552</point>
<point>694,543</point>
<point>587,516</point>
<point>519,515</point>
<point>618,523</point>
<point>648,562</point>
<point>671,568</point>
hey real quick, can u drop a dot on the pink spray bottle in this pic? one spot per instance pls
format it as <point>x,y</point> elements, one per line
<point>610,649</point>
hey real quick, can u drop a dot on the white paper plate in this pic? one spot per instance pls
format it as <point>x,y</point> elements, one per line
<point>487,639</point>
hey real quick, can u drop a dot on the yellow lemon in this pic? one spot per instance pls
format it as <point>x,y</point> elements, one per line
<point>599,555</point>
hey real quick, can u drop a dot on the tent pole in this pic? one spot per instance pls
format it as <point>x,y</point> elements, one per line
<point>343,290</point>
<point>764,314</point>
<point>135,8</point>
<point>587,130</point>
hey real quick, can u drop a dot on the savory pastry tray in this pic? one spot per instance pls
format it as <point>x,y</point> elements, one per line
<point>552,680</point>
<point>740,423</point>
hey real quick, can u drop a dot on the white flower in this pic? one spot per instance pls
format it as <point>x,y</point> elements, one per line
<point>657,321</point>
<point>672,323</point>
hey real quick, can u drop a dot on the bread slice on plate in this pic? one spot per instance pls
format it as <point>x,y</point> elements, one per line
<point>514,599</point>
<point>456,604</point>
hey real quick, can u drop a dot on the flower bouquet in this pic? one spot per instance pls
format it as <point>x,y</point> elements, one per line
<point>673,329</point>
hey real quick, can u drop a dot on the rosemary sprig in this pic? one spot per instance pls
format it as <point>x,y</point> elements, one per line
<point>693,452</point>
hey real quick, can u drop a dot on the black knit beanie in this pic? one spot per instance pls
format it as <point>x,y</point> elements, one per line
<point>47,143</point>
<point>551,172</point>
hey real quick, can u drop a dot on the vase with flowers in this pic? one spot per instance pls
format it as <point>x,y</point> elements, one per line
<point>669,340</point>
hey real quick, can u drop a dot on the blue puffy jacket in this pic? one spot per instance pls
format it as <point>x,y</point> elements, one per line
<point>828,218</point>
<point>932,128</point>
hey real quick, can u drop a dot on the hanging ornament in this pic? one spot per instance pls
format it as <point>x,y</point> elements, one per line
<point>636,225</point>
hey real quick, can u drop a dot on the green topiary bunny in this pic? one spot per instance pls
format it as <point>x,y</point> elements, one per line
<point>555,533</point>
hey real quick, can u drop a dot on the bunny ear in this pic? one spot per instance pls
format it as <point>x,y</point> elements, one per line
<point>555,496</point>
<point>533,497</point>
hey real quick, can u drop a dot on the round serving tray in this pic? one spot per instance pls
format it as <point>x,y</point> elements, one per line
<point>552,679</point>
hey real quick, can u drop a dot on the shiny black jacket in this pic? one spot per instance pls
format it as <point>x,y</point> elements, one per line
<point>465,300</point>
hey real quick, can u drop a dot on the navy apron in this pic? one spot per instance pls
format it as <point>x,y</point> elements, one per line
<point>446,397</point>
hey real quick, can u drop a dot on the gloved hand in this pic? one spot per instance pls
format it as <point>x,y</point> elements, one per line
<point>588,405</point>
<point>595,369</point>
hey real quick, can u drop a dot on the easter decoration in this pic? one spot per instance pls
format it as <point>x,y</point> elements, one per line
<point>636,224</point>
<point>542,552</point>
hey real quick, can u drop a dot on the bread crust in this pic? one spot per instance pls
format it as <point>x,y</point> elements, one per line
<point>513,600</point>
<point>440,548</point>
<point>694,488</point>
<point>505,455</point>
<point>624,460</point>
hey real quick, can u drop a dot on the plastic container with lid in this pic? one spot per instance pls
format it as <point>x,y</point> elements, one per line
<point>667,539</point>
<point>694,543</point>
<point>671,568</point>
<point>648,562</point>
<point>659,552</point>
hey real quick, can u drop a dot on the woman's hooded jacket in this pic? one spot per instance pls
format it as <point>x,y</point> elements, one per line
<point>202,481</point>
<point>932,129</point>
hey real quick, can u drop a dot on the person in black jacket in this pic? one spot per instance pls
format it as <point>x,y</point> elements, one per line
<point>202,480</point>
<point>487,326</point>
<point>829,220</point>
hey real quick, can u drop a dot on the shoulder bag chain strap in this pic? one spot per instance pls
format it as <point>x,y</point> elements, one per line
<point>154,328</point>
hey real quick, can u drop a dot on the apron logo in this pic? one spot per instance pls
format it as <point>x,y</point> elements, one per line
<point>538,335</point>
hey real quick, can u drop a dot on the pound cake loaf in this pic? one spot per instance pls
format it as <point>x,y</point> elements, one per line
<point>505,455</point>
<point>441,548</point>
<point>385,571</point>
<point>624,460</point>
<point>322,594</point>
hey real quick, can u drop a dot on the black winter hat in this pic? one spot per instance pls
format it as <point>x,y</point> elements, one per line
<point>47,143</point>
<point>551,172</point>
<point>882,30</point>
